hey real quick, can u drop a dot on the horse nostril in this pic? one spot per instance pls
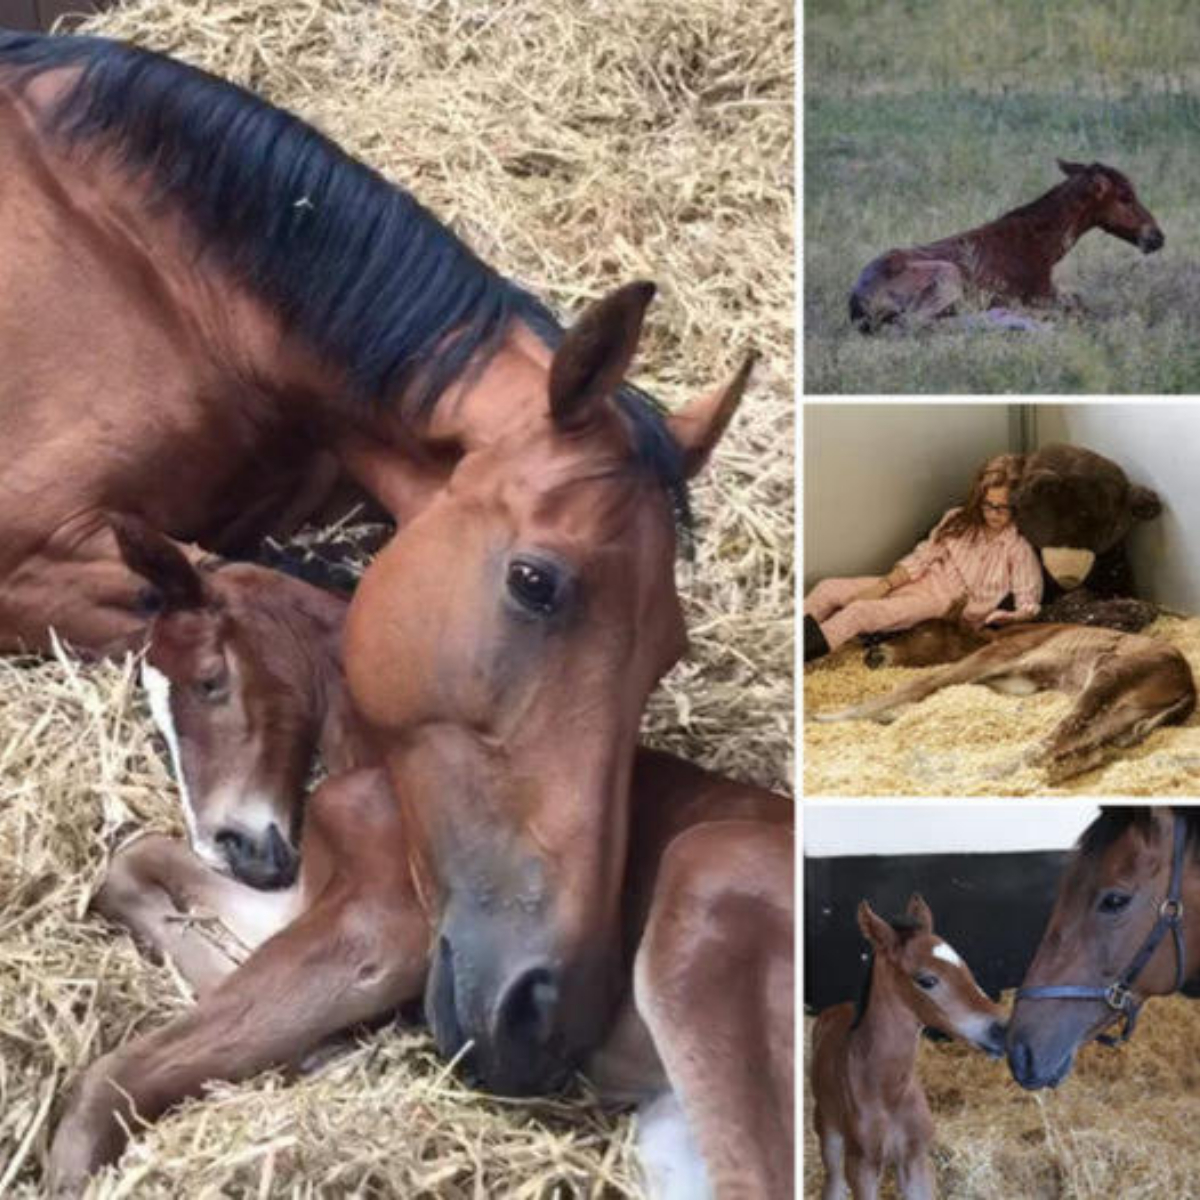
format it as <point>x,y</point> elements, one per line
<point>527,1011</point>
<point>267,863</point>
<point>235,844</point>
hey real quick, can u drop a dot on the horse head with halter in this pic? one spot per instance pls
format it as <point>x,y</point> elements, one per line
<point>1109,883</point>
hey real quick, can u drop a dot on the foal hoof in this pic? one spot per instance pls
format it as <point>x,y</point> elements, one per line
<point>876,656</point>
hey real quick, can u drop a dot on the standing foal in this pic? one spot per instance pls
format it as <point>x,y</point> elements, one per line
<point>871,1111</point>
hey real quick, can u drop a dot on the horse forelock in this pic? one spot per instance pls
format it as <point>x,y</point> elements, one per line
<point>1114,823</point>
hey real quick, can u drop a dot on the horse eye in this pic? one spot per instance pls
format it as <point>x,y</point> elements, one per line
<point>926,982</point>
<point>1114,902</point>
<point>534,586</point>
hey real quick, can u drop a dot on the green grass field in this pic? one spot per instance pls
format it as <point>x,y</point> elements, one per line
<point>925,117</point>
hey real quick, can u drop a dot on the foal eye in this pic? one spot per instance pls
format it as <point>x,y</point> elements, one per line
<point>925,982</point>
<point>1114,902</point>
<point>534,586</point>
<point>213,689</point>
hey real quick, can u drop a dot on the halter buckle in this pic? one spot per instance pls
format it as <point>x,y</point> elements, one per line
<point>1119,998</point>
<point>1171,910</point>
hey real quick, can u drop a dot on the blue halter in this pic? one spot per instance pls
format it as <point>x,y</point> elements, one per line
<point>1119,994</point>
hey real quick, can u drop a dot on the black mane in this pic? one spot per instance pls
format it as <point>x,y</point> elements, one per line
<point>351,261</point>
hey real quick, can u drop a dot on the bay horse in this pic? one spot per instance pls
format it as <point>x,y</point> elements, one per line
<point>247,323</point>
<point>1008,259</point>
<point>1125,685</point>
<point>707,891</point>
<point>870,1110</point>
<point>1121,931</point>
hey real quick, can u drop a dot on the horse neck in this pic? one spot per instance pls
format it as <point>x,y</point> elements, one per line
<point>1054,222</point>
<point>885,1040</point>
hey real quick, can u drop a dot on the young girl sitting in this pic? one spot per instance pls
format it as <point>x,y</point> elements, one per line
<point>975,551</point>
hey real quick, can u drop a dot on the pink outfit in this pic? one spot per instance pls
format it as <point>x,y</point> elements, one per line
<point>984,569</point>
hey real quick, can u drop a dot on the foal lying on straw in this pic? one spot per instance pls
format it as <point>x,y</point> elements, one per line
<point>1125,685</point>
<point>702,1039</point>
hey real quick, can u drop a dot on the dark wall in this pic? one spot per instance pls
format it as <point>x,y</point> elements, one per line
<point>991,908</point>
<point>41,14</point>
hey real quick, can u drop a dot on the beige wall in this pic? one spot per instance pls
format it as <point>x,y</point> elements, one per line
<point>877,476</point>
<point>1158,445</point>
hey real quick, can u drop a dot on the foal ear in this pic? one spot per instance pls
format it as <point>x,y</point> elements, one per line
<point>876,930</point>
<point>594,355</point>
<point>159,561</point>
<point>1071,168</point>
<point>698,426</point>
<point>920,912</point>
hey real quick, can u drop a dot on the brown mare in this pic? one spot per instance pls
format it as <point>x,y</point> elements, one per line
<point>1008,259</point>
<point>707,898</point>
<point>1120,932</point>
<point>870,1109</point>
<point>1125,685</point>
<point>247,325</point>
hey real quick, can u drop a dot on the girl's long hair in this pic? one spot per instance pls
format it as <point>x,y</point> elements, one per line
<point>1004,470</point>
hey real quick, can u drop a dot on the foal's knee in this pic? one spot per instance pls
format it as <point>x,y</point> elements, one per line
<point>133,874</point>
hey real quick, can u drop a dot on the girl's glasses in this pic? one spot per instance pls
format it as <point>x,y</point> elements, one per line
<point>988,506</point>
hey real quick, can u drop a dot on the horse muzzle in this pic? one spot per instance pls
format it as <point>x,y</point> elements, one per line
<point>1150,240</point>
<point>503,1024</point>
<point>1031,1070</point>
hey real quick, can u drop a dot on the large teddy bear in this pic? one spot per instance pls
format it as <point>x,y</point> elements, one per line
<point>1077,509</point>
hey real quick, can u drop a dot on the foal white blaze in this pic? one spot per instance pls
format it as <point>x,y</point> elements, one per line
<point>158,692</point>
<point>947,953</point>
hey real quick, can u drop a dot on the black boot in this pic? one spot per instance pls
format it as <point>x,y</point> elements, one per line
<point>815,645</point>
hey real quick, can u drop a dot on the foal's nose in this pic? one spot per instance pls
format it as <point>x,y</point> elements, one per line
<point>995,1040</point>
<point>1151,240</point>
<point>263,862</point>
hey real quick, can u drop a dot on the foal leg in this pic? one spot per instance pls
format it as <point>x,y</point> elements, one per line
<point>864,1176</point>
<point>169,898</point>
<point>350,958</point>
<point>833,1155</point>
<point>988,664</point>
<point>914,1175</point>
<point>714,983</point>
<point>1112,710</point>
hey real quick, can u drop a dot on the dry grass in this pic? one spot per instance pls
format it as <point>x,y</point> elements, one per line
<point>576,147</point>
<point>969,740</point>
<point>1123,1124</point>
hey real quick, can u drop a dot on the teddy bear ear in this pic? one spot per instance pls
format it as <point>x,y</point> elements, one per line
<point>1143,503</point>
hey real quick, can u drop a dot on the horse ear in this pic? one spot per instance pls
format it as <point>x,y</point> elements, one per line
<point>876,930</point>
<point>920,912</point>
<point>1144,504</point>
<point>595,354</point>
<point>1070,168</point>
<point>148,553</point>
<point>698,426</point>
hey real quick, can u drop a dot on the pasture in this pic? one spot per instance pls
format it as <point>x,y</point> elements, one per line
<point>575,148</point>
<point>1121,1125</point>
<point>970,741</point>
<point>924,119</point>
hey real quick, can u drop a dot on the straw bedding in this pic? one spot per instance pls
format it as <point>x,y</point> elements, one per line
<point>1123,1124</point>
<point>576,147</point>
<point>969,740</point>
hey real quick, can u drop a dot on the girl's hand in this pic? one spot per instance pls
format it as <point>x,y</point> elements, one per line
<point>877,591</point>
